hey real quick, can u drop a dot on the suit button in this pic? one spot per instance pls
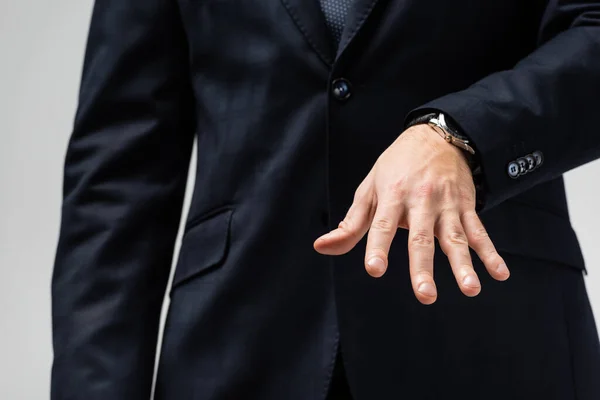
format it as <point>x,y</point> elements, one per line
<point>530,162</point>
<point>538,157</point>
<point>341,89</point>
<point>513,169</point>
<point>522,165</point>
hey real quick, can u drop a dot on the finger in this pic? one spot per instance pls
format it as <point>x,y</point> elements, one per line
<point>350,230</point>
<point>480,241</point>
<point>421,248</point>
<point>381,233</point>
<point>454,243</point>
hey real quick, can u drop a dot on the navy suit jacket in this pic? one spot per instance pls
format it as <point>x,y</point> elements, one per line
<point>255,312</point>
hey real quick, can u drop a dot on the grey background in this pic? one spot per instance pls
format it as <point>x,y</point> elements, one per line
<point>41,49</point>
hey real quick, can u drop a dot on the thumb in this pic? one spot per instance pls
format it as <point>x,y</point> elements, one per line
<point>349,231</point>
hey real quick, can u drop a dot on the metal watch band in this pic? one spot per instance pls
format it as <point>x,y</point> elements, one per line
<point>441,127</point>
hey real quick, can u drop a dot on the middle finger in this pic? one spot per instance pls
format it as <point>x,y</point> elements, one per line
<point>421,248</point>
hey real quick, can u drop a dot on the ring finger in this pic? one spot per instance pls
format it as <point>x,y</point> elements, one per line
<point>454,243</point>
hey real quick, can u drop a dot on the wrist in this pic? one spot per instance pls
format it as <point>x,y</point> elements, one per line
<point>432,140</point>
<point>471,157</point>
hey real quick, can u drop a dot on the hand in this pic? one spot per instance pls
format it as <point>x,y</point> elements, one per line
<point>423,184</point>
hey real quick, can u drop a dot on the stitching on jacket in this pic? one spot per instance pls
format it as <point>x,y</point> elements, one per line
<point>308,37</point>
<point>331,364</point>
<point>190,224</point>
<point>359,25</point>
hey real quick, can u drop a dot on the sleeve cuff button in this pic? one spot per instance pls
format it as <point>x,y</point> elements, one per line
<point>525,164</point>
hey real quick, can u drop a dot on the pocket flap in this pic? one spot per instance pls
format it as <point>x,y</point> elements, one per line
<point>204,245</point>
<point>528,231</point>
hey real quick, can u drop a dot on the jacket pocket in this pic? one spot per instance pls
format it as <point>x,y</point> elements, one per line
<point>528,231</point>
<point>204,246</point>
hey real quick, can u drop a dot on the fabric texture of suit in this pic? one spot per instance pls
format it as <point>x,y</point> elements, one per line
<point>255,312</point>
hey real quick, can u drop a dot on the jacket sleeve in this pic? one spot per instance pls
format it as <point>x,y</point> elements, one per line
<point>547,104</point>
<point>124,181</point>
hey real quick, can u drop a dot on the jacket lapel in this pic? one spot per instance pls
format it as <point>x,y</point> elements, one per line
<point>310,21</point>
<point>357,15</point>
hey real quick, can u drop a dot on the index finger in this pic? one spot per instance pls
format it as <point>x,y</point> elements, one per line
<point>381,233</point>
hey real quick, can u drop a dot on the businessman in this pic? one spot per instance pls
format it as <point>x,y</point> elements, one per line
<point>378,210</point>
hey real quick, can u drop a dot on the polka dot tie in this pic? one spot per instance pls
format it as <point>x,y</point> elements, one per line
<point>335,16</point>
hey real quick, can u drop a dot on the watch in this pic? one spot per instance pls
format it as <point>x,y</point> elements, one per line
<point>438,123</point>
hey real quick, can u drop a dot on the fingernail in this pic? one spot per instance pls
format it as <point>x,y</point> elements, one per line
<point>502,269</point>
<point>427,289</point>
<point>376,266</point>
<point>471,281</point>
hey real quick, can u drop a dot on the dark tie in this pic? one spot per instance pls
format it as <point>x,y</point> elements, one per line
<point>335,16</point>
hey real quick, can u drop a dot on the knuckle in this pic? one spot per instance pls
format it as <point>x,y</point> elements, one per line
<point>347,224</point>
<point>491,254</point>
<point>470,216</point>
<point>480,235</point>
<point>424,276</point>
<point>383,225</point>
<point>464,270</point>
<point>360,194</point>
<point>448,204</point>
<point>457,237</point>
<point>466,195</point>
<point>446,181</point>
<point>375,250</point>
<point>421,239</point>
<point>425,190</point>
<point>397,188</point>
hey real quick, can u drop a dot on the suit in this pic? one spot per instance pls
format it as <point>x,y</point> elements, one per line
<point>287,126</point>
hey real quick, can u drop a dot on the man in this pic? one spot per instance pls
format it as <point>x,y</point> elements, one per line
<point>425,127</point>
